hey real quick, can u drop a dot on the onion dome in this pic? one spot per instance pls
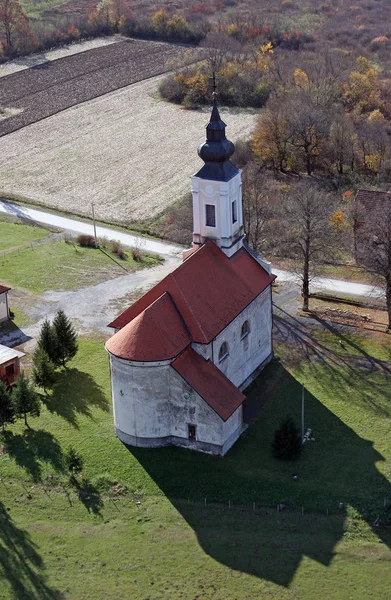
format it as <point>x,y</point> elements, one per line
<point>216,150</point>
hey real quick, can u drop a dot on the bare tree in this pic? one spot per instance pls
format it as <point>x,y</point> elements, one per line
<point>310,235</point>
<point>374,244</point>
<point>260,202</point>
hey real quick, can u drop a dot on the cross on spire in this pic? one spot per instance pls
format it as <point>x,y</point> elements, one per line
<point>214,93</point>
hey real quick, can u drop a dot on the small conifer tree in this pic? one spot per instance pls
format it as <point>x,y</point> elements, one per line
<point>7,413</point>
<point>25,400</point>
<point>66,337</point>
<point>287,442</point>
<point>48,342</point>
<point>43,369</point>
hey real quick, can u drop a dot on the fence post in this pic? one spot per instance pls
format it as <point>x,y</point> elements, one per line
<point>205,502</point>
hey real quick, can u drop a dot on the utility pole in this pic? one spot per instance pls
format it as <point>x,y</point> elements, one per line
<point>93,219</point>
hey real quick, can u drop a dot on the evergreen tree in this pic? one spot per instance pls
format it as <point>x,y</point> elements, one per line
<point>48,342</point>
<point>25,399</point>
<point>43,369</point>
<point>287,441</point>
<point>66,337</point>
<point>7,413</point>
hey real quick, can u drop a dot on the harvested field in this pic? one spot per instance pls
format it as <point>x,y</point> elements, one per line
<point>51,87</point>
<point>128,152</point>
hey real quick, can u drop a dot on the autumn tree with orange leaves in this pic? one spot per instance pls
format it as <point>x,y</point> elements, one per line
<point>13,22</point>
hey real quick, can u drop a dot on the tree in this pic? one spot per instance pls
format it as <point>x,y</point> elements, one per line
<point>287,441</point>
<point>7,413</point>
<point>13,21</point>
<point>43,369</point>
<point>48,342</point>
<point>25,399</point>
<point>375,245</point>
<point>270,142</point>
<point>66,337</point>
<point>310,234</point>
<point>259,206</point>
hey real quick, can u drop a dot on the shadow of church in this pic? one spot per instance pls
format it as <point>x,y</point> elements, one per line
<point>263,543</point>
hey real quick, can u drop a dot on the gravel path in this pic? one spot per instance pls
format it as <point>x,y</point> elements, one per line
<point>51,87</point>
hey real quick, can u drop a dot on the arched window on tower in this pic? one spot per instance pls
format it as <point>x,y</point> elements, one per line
<point>223,352</point>
<point>245,330</point>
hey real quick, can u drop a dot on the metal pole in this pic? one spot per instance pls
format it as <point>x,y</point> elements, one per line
<point>93,219</point>
<point>302,414</point>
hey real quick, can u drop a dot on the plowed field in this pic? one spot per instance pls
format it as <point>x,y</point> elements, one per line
<point>51,87</point>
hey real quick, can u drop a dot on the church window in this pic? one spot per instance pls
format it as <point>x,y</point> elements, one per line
<point>191,432</point>
<point>223,352</point>
<point>234,211</point>
<point>245,330</point>
<point>210,215</point>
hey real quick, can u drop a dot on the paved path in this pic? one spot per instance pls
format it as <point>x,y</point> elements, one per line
<point>75,226</point>
<point>339,286</point>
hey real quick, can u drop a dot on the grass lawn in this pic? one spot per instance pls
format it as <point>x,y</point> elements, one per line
<point>61,265</point>
<point>169,547</point>
<point>14,234</point>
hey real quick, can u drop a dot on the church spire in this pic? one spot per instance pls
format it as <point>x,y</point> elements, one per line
<point>216,150</point>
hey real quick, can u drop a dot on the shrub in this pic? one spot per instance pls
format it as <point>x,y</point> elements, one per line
<point>115,246</point>
<point>287,441</point>
<point>85,241</point>
<point>136,254</point>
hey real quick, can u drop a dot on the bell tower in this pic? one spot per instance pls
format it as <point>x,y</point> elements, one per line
<point>217,191</point>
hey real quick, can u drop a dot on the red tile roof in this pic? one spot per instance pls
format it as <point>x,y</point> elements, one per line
<point>209,382</point>
<point>208,289</point>
<point>156,333</point>
<point>4,289</point>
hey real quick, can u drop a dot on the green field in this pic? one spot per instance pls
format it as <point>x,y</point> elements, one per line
<point>170,546</point>
<point>14,234</point>
<point>57,264</point>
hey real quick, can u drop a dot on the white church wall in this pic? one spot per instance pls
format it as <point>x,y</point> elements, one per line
<point>141,398</point>
<point>188,408</point>
<point>246,354</point>
<point>153,406</point>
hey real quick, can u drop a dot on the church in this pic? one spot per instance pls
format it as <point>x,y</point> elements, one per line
<point>182,354</point>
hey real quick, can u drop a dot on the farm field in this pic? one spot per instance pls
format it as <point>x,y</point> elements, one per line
<point>130,153</point>
<point>51,87</point>
<point>143,531</point>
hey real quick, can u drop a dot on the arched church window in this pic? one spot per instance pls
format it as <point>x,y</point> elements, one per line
<point>234,211</point>
<point>223,352</point>
<point>245,330</point>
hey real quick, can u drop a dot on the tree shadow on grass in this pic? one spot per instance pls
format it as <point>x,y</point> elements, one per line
<point>88,495</point>
<point>21,564</point>
<point>32,447</point>
<point>75,393</point>
<point>335,471</point>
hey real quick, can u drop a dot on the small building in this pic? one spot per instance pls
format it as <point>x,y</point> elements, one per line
<point>183,353</point>
<point>370,213</point>
<point>9,364</point>
<point>4,307</point>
